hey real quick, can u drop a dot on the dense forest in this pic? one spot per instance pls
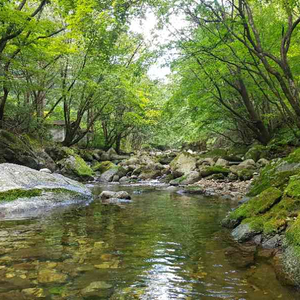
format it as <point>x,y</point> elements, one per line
<point>149,149</point>
<point>234,71</point>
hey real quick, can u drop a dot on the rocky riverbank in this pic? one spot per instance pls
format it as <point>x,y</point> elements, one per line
<point>269,219</point>
<point>266,221</point>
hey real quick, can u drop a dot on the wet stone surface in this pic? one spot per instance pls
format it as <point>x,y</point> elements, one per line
<point>162,245</point>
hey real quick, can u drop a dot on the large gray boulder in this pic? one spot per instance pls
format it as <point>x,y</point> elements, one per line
<point>23,190</point>
<point>108,175</point>
<point>183,164</point>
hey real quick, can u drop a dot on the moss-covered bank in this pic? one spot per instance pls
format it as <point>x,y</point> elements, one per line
<point>274,209</point>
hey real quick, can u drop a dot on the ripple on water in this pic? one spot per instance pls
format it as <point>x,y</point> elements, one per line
<point>160,246</point>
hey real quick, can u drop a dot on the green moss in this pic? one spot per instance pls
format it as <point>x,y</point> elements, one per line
<point>68,151</point>
<point>18,193</point>
<point>81,168</point>
<point>57,290</point>
<point>294,157</point>
<point>276,218</point>
<point>245,174</point>
<point>15,194</point>
<point>103,166</point>
<point>178,180</point>
<point>256,152</point>
<point>9,137</point>
<point>271,177</point>
<point>293,233</point>
<point>293,188</point>
<point>257,205</point>
<point>216,153</point>
<point>256,223</point>
<point>207,171</point>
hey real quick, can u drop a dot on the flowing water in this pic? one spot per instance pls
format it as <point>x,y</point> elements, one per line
<point>162,245</point>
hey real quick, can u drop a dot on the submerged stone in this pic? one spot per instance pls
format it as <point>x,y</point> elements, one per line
<point>95,286</point>
<point>49,275</point>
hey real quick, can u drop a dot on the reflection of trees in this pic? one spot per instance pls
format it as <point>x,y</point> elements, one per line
<point>154,235</point>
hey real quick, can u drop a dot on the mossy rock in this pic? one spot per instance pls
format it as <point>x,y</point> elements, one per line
<point>14,150</point>
<point>183,164</point>
<point>277,173</point>
<point>294,157</point>
<point>256,152</point>
<point>293,233</point>
<point>103,166</point>
<point>207,171</point>
<point>293,188</point>
<point>245,174</point>
<point>75,167</point>
<point>257,205</point>
<point>178,180</point>
<point>215,154</point>
<point>86,155</point>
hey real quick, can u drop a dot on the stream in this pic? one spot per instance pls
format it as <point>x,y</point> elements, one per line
<point>161,245</point>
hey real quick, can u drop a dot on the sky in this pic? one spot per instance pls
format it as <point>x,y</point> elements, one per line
<point>146,27</point>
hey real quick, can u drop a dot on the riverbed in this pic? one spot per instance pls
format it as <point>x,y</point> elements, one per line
<point>161,245</point>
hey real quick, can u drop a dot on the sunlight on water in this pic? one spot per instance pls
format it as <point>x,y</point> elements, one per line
<point>159,246</point>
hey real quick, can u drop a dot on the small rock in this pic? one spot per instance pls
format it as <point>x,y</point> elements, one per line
<point>49,275</point>
<point>35,292</point>
<point>243,232</point>
<point>272,243</point>
<point>118,195</point>
<point>95,286</point>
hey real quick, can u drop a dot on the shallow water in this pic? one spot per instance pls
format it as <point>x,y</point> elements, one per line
<point>162,246</point>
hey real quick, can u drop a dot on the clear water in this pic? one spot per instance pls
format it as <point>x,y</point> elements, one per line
<point>160,246</point>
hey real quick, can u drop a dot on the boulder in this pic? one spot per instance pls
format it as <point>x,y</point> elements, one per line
<point>75,167</point>
<point>262,162</point>
<point>23,190</point>
<point>183,164</point>
<point>108,175</point>
<point>104,157</point>
<point>103,166</point>
<point>147,175</point>
<point>191,178</point>
<point>87,155</point>
<point>248,163</point>
<point>118,195</point>
<point>58,153</point>
<point>207,171</point>
<point>19,150</point>
<point>256,152</point>
<point>222,163</point>
<point>111,152</point>
<point>272,242</point>
<point>206,162</point>
<point>124,179</point>
<point>166,159</point>
<point>243,233</point>
<point>116,178</point>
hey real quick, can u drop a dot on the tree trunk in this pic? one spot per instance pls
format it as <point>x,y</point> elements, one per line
<point>2,106</point>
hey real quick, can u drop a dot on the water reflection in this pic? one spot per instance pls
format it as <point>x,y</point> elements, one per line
<point>160,246</point>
